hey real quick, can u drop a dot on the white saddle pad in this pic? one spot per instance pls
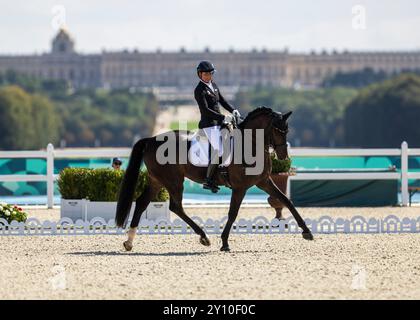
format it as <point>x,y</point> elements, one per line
<point>198,154</point>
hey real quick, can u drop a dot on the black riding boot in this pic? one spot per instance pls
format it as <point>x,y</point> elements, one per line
<point>209,184</point>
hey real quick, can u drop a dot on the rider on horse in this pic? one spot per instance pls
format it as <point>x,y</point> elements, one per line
<point>208,97</point>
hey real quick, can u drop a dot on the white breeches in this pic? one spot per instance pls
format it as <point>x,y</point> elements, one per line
<point>214,136</point>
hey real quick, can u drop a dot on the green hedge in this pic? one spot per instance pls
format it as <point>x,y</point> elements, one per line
<point>280,165</point>
<point>99,184</point>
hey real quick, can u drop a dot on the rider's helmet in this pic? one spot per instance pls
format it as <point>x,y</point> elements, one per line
<point>205,66</point>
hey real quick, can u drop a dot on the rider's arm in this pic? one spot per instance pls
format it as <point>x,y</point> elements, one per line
<point>224,103</point>
<point>204,108</point>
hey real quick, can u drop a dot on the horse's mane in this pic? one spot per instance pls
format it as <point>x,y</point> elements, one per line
<point>256,112</point>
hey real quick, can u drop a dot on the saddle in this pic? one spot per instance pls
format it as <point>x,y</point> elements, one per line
<point>199,154</point>
<point>199,151</point>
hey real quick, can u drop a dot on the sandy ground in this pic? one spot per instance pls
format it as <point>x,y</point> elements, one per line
<point>178,267</point>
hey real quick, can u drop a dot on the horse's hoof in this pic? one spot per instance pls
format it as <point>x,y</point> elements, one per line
<point>205,241</point>
<point>128,246</point>
<point>307,236</point>
<point>225,249</point>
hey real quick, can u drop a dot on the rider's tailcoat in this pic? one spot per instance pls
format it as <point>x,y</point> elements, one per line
<point>208,102</point>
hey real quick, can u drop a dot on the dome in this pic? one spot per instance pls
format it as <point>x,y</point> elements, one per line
<point>62,42</point>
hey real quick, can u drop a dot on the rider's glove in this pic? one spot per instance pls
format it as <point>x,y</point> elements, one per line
<point>236,113</point>
<point>228,119</point>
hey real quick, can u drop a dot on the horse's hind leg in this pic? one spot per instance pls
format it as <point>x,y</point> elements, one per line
<point>175,205</point>
<point>142,202</point>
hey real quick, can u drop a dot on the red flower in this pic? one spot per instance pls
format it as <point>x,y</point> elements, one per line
<point>20,209</point>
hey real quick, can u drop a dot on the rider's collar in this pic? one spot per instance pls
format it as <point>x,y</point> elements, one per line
<point>206,83</point>
<point>209,84</point>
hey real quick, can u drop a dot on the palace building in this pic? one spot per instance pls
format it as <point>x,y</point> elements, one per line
<point>124,69</point>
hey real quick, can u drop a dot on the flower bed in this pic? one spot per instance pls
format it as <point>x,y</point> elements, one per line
<point>10,212</point>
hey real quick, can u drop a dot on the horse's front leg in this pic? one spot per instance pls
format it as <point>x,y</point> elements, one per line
<point>269,187</point>
<point>235,203</point>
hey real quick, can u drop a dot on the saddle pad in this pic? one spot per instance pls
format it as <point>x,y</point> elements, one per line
<point>198,154</point>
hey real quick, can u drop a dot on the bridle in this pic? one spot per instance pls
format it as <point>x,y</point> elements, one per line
<point>271,128</point>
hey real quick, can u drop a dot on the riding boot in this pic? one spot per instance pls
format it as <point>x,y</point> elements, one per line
<point>209,184</point>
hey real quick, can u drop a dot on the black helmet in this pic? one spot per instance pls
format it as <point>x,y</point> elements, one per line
<point>117,161</point>
<point>205,66</point>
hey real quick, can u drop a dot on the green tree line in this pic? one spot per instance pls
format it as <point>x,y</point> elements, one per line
<point>361,78</point>
<point>382,114</point>
<point>27,121</point>
<point>385,114</point>
<point>34,112</point>
<point>318,115</point>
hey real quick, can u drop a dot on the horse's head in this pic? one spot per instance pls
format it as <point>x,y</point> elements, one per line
<point>275,128</point>
<point>278,134</point>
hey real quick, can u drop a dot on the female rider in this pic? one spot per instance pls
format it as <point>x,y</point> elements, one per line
<point>208,97</point>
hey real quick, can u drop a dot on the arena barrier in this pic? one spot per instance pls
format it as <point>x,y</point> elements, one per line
<point>258,225</point>
<point>405,175</point>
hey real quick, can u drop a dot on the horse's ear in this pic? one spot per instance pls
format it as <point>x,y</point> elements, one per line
<point>287,115</point>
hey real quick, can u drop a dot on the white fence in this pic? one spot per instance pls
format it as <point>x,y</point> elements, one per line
<point>258,225</point>
<point>50,154</point>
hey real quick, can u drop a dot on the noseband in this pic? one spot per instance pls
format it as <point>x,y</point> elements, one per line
<point>271,128</point>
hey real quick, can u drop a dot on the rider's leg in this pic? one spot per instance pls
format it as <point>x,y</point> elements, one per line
<point>211,171</point>
<point>213,135</point>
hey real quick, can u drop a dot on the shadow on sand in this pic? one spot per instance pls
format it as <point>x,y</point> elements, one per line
<point>122,253</point>
<point>163,254</point>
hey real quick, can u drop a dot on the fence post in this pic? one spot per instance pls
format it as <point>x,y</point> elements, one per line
<point>404,174</point>
<point>50,176</point>
<point>288,180</point>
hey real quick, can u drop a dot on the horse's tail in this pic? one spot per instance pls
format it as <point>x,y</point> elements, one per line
<point>128,185</point>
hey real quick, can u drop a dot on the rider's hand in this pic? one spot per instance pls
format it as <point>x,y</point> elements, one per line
<point>228,119</point>
<point>236,113</point>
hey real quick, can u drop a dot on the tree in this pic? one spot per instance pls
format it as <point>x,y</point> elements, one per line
<point>16,127</point>
<point>355,79</point>
<point>51,87</point>
<point>385,114</point>
<point>361,78</point>
<point>26,121</point>
<point>114,117</point>
<point>46,122</point>
<point>318,114</point>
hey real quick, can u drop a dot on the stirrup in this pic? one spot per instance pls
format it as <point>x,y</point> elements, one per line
<point>211,187</point>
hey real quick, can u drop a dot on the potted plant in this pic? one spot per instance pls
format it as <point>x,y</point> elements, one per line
<point>88,193</point>
<point>281,170</point>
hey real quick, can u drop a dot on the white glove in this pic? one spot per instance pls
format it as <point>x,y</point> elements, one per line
<point>236,113</point>
<point>228,119</point>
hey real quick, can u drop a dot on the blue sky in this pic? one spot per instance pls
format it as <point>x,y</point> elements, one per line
<point>300,25</point>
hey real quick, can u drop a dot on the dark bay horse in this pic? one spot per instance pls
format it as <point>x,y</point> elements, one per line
<point>171,176</point>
